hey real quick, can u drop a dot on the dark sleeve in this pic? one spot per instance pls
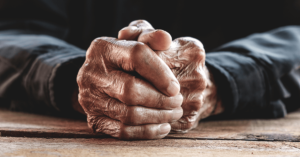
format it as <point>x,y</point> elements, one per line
<point>38,72</point>
<point>37,67</point>
<point>258,76</point>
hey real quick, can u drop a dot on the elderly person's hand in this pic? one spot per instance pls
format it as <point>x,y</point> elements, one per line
<point>186,58</point>
<point>127,91</point>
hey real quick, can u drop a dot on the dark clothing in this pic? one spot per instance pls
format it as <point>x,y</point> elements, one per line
<point>43,43</point>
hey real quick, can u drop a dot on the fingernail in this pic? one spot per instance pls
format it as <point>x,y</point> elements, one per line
<point>164,129</point>
<point>177,114</point>
<point>176,101</point>
<point>173,88</point>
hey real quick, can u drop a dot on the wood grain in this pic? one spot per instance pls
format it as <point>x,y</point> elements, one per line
<point>283,129</point>
<point>17,124</point>
<point>80,147</point>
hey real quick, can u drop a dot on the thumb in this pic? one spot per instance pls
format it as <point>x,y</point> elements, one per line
<point>143,31</point>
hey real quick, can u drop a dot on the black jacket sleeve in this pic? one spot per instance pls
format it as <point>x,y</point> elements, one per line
<point>38,72</point>
<point>37,67</point>
<point>258,76</point>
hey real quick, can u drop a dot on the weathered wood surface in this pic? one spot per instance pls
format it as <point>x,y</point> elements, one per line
<point>16,124</point>
<point>80,147</point>
<point>283,129</point>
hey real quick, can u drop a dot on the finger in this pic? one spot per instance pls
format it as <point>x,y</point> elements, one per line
<point>192,50</point>
<point>192,107</point>
<point>129,33</point>
<point>157,40</point>
<point>131,115</point>
<point>193,101</point>
<point>184,124</point>
<point>135,91</point>
<point>193,110</point>
<point>137,115</point>
<point>135,28</point>
<point>135,56</point>
<point>103,124</point>
<point>142,31</point>
<point>146,132</point>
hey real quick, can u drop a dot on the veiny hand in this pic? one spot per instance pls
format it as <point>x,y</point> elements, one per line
<point>186,58</point>
<point>127,91</point>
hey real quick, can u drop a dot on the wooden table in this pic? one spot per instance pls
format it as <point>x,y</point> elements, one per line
<point>24,134</point>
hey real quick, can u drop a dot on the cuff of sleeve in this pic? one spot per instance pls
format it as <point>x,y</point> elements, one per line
<point>51,79</point>
<point>239,81</point>
<point>62,82</point>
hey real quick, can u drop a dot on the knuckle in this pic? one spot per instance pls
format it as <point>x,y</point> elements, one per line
<point>137,52</point>
<point>193,102</point>
<point>190,40</point>
<point>93,123</point>
<point>97,41</point>
<point>101,39</point>
<point>90,54</point>
<point>200,80</point>
<point>84,97</point>
<point>130,93</point>
<point>192,49</point>
<point>102,44</point>
<point>163,101</point>
<point>83,76</point>
<point>79,78</point>
<point>81,99</point>
<point>195,105</point>
<point>198,54</point>
<point>102,124</point>
<point>115,109</point>
<point>137,48</point>
<point>134,116</point>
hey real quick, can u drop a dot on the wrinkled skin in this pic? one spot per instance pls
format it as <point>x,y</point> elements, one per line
<point>186,58</point>
<point>130,90</point>
<point>127,91</point>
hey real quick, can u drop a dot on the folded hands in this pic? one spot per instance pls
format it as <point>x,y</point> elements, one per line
<point>143,85</point>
